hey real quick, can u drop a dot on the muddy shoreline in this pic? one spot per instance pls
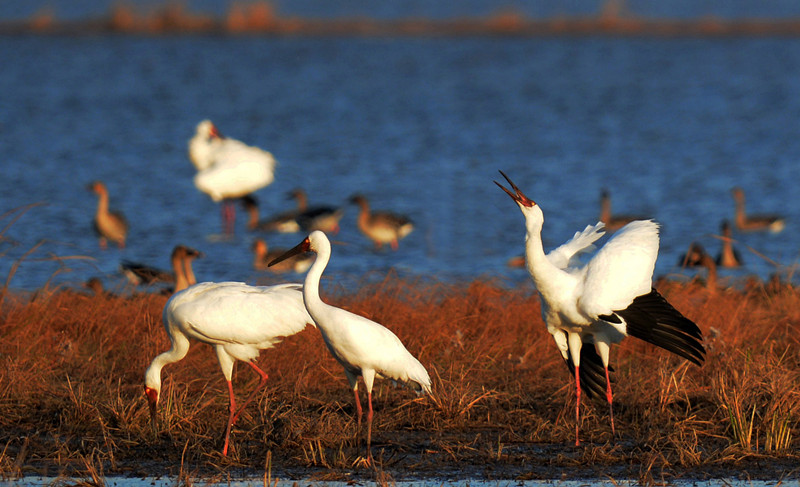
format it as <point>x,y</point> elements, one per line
<point>420,457</point>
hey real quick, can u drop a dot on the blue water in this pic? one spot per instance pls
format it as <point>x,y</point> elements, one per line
<point>420,126</point>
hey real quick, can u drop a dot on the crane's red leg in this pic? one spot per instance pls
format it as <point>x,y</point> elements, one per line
<point>358,415</point>
<point>228,216</point>
<point>577,405</point>
<point>610,408</point>
<point>261,384</point>
<point>230,418</point>
<point>369,426</point>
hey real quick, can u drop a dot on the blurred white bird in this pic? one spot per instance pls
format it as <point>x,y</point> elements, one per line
<point>607,299</point>
<point>228,169</point>
<point>363,347</point>
<point>237,320</point>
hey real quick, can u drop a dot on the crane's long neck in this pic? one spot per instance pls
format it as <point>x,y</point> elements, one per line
<point>180,347</point>
<point>542,271</point>
<point>311,286</point>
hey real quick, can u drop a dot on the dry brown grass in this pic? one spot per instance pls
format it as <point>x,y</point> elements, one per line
<point>71,400</point>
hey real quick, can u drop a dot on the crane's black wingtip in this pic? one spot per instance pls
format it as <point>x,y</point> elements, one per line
<point>652,319</point>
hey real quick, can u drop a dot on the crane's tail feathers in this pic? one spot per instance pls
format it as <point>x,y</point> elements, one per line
<point>593,375</point>
<point>652,319</point>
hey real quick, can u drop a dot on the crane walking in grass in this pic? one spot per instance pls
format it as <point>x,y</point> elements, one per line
<point>238,321</point>
<point>362,347</point>
<point>607,299</point>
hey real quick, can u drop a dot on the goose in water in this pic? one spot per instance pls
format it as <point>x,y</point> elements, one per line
<point>752,223</point>
<point>382,227</point>
<point>108,224</point>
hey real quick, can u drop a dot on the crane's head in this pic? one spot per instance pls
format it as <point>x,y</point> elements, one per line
<point>315,242</point>
<point>530,210</point>
<point>517,195</point>
<point>152,387</point>
<point>152,399</point>
<point>214,132</point>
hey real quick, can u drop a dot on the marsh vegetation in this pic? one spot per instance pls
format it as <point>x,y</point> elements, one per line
<point>72,402</point>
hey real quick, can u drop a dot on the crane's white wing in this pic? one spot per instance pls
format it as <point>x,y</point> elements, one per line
<point>236,313</point>
<point>621,270</point>
<point>237,170</point>
<point>359,343</point>
<point>564,256</point>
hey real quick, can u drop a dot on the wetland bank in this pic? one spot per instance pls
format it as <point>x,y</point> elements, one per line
<point>502,406</point>
<point>677,116</point>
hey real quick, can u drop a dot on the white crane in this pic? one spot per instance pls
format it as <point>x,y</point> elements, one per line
<point>607,299</point>
<point>228,169</point>
<point>237,320</point>
<point>362,347</point>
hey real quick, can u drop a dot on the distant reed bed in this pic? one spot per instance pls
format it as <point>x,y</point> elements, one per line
<point>72,402</point>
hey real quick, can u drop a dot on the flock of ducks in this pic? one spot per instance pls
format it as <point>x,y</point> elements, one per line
<point>229,171</point>
<point>728,256</point>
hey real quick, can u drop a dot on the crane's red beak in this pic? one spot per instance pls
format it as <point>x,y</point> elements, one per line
<point>303,246</point>
<point>518,195</point>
